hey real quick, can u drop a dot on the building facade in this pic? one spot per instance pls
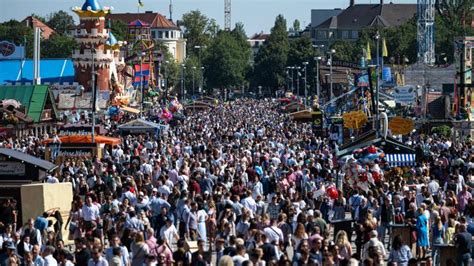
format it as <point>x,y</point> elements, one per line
<point>347,24</point>
<point>161,29</point>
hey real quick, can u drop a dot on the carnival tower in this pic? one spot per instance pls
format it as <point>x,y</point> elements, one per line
<point>92,35</point>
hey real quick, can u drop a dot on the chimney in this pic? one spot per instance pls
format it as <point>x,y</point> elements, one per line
<point>352,2</point>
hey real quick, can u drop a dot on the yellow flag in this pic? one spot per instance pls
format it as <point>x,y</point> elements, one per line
<point>384,48</point>
<point>368,56</point>
<point>140,3</point>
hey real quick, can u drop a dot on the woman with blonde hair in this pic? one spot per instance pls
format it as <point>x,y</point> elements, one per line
<point>345,248</point>
<point>226,261</point>
<point>140,250</point>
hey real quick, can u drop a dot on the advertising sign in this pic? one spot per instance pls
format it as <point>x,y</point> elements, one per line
<point>404,95</point>
<point>9,50</point>
<point>12,168</point>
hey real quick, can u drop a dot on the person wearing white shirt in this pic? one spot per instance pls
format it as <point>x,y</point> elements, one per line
<point>249,203</point>
<point>90,212</point>
<point>241,256</point>
<point>49,260</point>
<point>273,233</point>
<point>97,259</point>
<point>169,232</point>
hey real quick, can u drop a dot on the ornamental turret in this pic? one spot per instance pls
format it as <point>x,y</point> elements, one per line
<point>92,35</point>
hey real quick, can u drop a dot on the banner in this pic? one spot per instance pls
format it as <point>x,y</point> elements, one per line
<point>9,50</point>
<point>142,75</point>
<point>404,95</point>
<point>12,168</point>
<point>355,119</point>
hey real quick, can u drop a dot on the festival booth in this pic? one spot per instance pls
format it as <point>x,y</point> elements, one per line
<point>314,116</point>
<point>197,106</point>
<point>18,169</point>
<point>293,107</point>
<point>141,126</point>
<point>208,100</point>
<point>78,147</point>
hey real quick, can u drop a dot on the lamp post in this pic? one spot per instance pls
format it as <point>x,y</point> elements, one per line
<point>305,64</point>
<point>202,80</point>
<point>192,92</point>
<point>317,59</point>
<point>183,97</point>
<point>166,81</point>
<point>288,77</point>
<point>259,91</point>
<point>377,117</point>
<point>331,52</point>
<point>94,96</point>
<point>200,47</point>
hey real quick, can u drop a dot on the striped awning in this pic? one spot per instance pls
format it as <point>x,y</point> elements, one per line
<point>401,159</point>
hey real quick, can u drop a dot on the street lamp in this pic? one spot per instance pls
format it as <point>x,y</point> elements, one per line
<point>192,93</point>
<point>183,97</point>
<point>305,64</point>
<point>260,91</point>
<point>166,81</point>
<point>318,47</point>
<point>202,80</point>
<point>317,59</point>
<point>94,96</point>
<point>331,52</point>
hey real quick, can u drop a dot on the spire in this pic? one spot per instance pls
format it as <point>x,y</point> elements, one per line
<point>92,5</point>
<point>111,41</point>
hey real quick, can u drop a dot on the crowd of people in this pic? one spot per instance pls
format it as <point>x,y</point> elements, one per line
<point>244,184</point>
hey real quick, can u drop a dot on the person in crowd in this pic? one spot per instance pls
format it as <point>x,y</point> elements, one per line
<point>400,252</point>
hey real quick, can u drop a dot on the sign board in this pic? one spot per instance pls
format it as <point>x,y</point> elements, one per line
<point>10,51</point>
<point>12,168</point>
<point>404,94</point>
<point>317,122</point>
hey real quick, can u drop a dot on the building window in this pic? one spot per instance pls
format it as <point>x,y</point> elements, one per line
<point>167,34</point>
<point>331,35</point>
<point>322,35</point>
<point>153,34</point>
<point>160,35</point>
<point>345,34</point>
<point>132,31</point>
<point>355,34</point>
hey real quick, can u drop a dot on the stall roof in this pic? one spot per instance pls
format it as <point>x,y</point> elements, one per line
<point>87,139</point>
<point>33,98</point>
<point>45,165</point>
<point>140,123</point>
<point>389,145</point>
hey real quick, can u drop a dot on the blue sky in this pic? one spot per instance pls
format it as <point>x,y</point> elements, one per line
<point>257,15</point>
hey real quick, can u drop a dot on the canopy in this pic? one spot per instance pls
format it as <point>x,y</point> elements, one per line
<point>401,159</point>
<point>142,126</point>
<point>87,139</point>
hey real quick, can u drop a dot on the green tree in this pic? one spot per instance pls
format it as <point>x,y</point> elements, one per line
<point>301,50</point>
<point>192,69</point>
<point>296,26</point>
<point>119,29</point>
<point>198,30</point>
<point>457,14</point>
<point>229,61</point>
<point>58,46</point>
<point>271,60</point>
<point>346,50</point>
<point>60,21</point>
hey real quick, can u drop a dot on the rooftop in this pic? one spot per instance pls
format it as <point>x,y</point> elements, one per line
<point>366,15</point>
<point>156,20</point>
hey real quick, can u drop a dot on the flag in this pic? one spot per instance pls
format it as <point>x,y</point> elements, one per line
<point>140,3</point>
<point>384,48</point>
<point>141,71</point>
<point>368,53</point>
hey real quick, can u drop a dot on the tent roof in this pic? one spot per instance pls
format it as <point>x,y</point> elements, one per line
<point>140,123</point>
<point>388,145</point>
<point>42,164</point>
<point>87,139</point>
<point>51,70</point>
<point>33,98</point>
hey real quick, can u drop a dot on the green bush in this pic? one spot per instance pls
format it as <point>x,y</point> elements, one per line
<point>444,131</point>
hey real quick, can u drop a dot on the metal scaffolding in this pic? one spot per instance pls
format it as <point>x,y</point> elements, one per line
<point>425,36</point>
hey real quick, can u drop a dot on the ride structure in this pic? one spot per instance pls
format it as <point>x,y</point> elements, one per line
<point>425,33</point>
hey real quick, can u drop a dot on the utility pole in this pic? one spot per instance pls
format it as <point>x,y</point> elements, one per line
<point>141,85</point>
<point>377,84</point>
<point>317,76</point>
<point>183,97</point>
<point>305,84</point>
<point>94,96</point>
<point>331,52</point>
